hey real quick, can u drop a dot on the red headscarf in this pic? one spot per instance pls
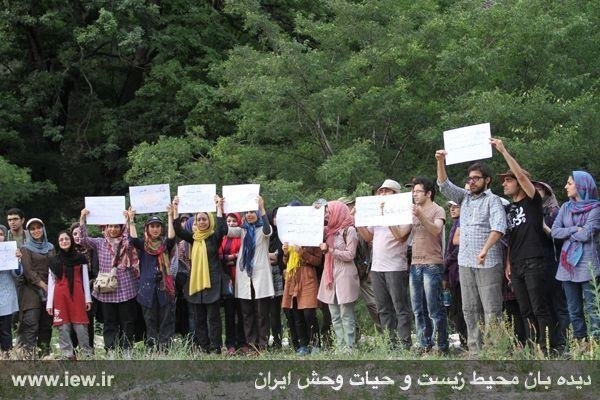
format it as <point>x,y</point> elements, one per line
<point>338,220</point>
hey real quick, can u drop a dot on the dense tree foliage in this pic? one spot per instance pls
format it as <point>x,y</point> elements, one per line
<point>309,98</point>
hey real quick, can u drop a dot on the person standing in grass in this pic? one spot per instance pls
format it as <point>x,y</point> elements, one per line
<point>340,286</point>
<point>8,301</point>
<point>69,296</point>
<point>578,224</point>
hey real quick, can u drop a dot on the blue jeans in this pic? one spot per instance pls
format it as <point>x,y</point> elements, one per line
<point>427,279</point>
<point>580,296</point>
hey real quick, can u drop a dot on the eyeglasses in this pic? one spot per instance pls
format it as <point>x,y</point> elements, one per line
<point>13,219</point>
<point>473,179</point>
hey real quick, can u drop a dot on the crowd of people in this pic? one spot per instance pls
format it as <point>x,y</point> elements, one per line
<point>528,257</point>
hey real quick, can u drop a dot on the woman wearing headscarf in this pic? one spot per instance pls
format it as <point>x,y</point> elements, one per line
<point>119,308</point>
<point>277,267</point>
<point>228,254</point>
<point>340,286</point>
<point>156,294</point>
<point>9,303</point>
<point>578,224</point>
<point>69,296</point>
<point>35,326</point>
<point>94,313</point>
<point>254,281</point>
<point>203,287</point>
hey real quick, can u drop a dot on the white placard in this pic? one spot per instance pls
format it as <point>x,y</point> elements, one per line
<point>468,143</point>
<point>301,226</point>
<point>388,210</point>
<point>238,198</point>
<point>150,198</point>
<point>105,210</point>
<point>196,198</point>
<point>8,258</point>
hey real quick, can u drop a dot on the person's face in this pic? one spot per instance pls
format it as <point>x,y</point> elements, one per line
<point>571,189</point>
<point>202,221</point>
<point>76,235</point>
<point>182,222</point>
<point>154,230</point>
<point>419,194</point>
<point>454,212</point>
<point>36,231</point>
<point>15,223</point>
<point>511,186</point>
<point>232,221</point>
<point>2,237</point>
<point>385,191</point>
<point>251,217</point>
<point>113,231</point>
<point>477,183</point>
<point>64,241</point>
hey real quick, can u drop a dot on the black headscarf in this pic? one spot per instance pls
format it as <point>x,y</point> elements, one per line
<point>65,260</point>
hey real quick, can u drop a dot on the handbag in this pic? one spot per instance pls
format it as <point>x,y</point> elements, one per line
<point>107,282</point>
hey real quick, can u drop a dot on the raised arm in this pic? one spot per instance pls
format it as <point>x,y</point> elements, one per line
<point>514,166</point>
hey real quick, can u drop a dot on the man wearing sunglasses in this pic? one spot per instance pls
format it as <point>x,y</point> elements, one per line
<point>482,222</point>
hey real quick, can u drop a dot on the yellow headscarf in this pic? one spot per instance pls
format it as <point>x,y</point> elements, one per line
<point>200,273</point>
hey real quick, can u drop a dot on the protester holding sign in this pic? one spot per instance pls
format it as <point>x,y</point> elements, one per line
<point>156,292</point>
<point>254,281</point>
<point>8,301</point>
<point>119,308</point>
<point>203,287</point>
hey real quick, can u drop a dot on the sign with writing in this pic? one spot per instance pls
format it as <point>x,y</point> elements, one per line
<point>105,210</point>
<point>8,258</point>
<point>238,198</point>
<point>196,198</point>
<point>388,210</point>
<point>468,143</point>
<point>301,226</point>
<point>150,198</point>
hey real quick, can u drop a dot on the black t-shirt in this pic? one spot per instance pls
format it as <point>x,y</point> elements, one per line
<point>525,225</point>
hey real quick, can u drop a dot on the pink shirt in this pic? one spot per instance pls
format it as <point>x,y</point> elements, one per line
<point>389,254</point>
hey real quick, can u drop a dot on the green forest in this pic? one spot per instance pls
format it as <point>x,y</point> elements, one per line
<point>309,98</point>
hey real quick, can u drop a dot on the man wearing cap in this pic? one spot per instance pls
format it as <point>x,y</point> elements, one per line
<point>389,273</point>
<point>525,265</point>
<point>482,224</point>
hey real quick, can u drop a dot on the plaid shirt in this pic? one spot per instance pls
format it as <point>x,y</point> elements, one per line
<point>127,287</point>
<point>479,215</point>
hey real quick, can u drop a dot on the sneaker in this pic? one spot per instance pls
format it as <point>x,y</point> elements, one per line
<point>303,351</point>
<point>315,350</point>
<point>231,351</point>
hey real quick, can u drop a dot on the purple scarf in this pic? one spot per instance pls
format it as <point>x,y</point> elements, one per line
<point>588,200</point>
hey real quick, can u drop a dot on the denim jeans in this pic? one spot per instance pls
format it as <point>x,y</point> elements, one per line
<point>393,304</point>
<point>344,324</point>
<point>426,279</point>
<point>529,279</point>
<point>580,296</point>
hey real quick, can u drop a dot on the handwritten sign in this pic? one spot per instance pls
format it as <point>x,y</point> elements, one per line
<point>468,143</point>
<point>239,198</point>
<point>388,210</point>
<point>196,198</point>
<point>8,259</point>
<point>150,198</point>
<point>105,210</point>
<point>302,226</point>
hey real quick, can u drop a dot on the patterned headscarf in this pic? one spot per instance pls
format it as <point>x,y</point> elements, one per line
<point>588,194</point>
